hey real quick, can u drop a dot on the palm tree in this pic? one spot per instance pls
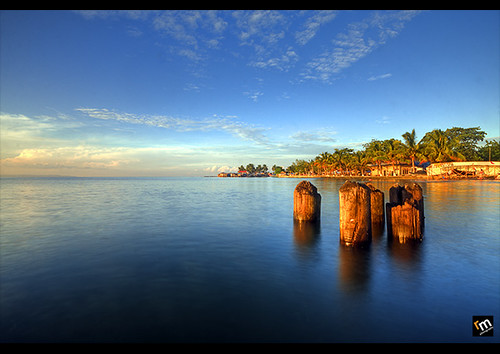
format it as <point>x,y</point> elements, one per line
<point>393,151</point>
<point>376,153</point>
<point>411,148</point>
<point>323,161</point>
<point>360,161</point>
<point>441,148</point>
<point>341,158</point>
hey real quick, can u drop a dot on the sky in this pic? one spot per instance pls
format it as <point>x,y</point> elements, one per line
<point>194,93</point>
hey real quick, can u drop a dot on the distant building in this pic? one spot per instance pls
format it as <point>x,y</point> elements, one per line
<point>388,169</point>
<point>467,169</point>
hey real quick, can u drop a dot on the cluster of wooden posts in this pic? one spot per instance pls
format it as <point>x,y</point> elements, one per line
<point>362,209</point>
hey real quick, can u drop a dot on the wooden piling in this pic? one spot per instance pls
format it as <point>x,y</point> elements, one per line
<point>377,206</point>
<point>306,202</point>
<point>405,213</point>
<point>355,214</point>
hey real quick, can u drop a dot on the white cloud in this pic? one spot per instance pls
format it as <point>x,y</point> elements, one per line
<point>228,123</point>
<point>93,160</point>
<point>313,24</point>
<point>282,63</point>
<point>81,157</point>
<point>219,169</point>
<point>359,40</point>
<point>265,31</point>
<point>103,14</point>
<point>321,135</point>
<point>19,131</point>
<point>383,120</point>
<point>253,95</point>
<point>193,34</point>
<point>379,77</point>
<point>259,26</point>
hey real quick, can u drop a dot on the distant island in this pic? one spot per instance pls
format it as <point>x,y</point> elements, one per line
<point>452,154</point>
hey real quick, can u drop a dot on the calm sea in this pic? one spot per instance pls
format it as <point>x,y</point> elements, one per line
<point>220,260</point>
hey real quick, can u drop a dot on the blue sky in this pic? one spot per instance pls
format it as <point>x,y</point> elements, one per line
<point>191,93</point>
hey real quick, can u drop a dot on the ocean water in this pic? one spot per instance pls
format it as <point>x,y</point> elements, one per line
<point>221,260</point>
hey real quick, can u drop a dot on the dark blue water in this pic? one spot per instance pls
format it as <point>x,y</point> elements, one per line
<point>220,260</point>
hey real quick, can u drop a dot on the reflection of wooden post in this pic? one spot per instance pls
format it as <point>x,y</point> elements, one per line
<point>355,214</point>
<point>377,206</point>
<point>405,212</point>
<point>306,202</point>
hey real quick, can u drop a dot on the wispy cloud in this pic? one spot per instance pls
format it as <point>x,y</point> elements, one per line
<point>313,24</point>
<point>260,28</point>
<point>253,95</point>
<point>276,38</point>
<point>383,120</point>
<point>282,62</point>
<point>229,124</point>
<point>20,131</point>
<point>219,169</point>
<point>320,135</point>
<point>191,32</point>
<point>360,39</point>
<point>265,31</point>
<point>379,77</point>
<point>104,14</point>
<point>96,160</point>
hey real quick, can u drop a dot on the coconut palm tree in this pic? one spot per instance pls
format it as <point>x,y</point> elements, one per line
<point>360,161</point>
<point>376,153</point>
<point>323,161</point>
<point>394,151</point>
<point>438,147</point>
<point>341,158</point>
<point>411,148</point>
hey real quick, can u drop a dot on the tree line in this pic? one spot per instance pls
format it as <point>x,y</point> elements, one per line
<point>453,144</point>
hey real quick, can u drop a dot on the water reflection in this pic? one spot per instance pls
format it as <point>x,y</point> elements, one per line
<point>408,253</point>
<point>306,237</point>
<point>377,231</point>
<point>354,268</point>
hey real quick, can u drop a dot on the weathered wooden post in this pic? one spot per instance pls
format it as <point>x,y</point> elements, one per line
<point>405,213</point>
<point>306,202</point>
<point>355,214</point>
<point>377,207</point>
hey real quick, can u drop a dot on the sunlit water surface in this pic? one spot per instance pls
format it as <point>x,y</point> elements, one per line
<point>220,260</point>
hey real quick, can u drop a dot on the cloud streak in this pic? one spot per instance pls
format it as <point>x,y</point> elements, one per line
<point>227,124</point>
<point>321,135</point>
<point>379,77</point>
<point>92,160</point>
<point>313,24</point>
<point>360,39</point>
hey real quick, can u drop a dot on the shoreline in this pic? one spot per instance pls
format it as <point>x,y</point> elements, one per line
<point>406,177</point>
<point>369,178</point>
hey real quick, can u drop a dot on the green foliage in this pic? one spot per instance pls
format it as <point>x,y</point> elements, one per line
<point>250,168</point>
<point>453,144</point>
<point>277,169</point>
<point>490,151</point>
<point>466,140</point>
<point>441,147</point>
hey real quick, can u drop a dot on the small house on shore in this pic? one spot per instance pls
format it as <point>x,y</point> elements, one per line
<point>388,169</point>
